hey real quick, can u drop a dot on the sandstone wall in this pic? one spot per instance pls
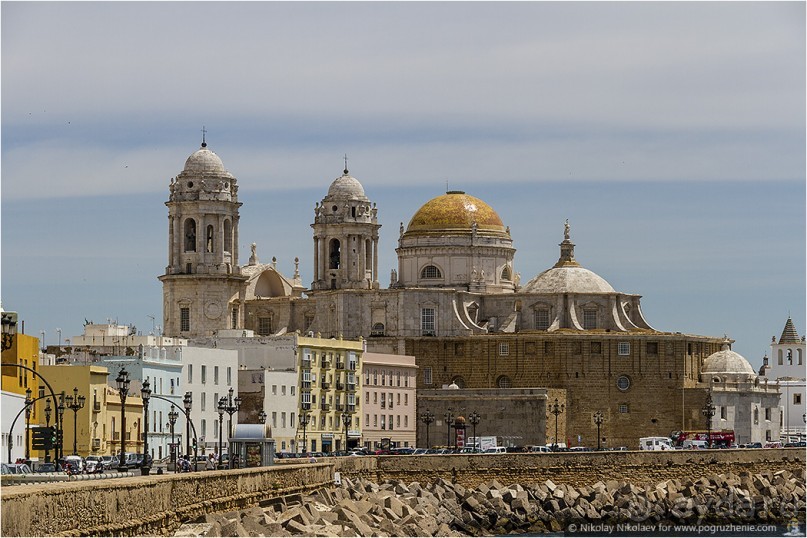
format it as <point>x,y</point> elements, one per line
<point>158,504</point>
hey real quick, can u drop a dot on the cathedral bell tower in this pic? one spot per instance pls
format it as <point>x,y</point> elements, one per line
<point>345,238</point>
<point>203,289</point>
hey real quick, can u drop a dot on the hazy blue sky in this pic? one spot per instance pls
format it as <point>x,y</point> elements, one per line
<point>671,135</point>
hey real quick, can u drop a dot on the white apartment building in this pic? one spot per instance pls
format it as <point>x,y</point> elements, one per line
<point>274,393</point>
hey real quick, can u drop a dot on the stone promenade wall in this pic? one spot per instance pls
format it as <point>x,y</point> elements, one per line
<point>575,469</point>
<point>158,504</point>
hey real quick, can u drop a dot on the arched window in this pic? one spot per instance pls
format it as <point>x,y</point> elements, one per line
<point>781,357</point>
<point>209,240</point>
<point>228,236</point>
<point>334,254</point>
<point>377,330</point>
<point>756,415</point>
<point>798,354</point>
<point>790,357</point>
<point>459,381</point>
<point>190,235</point>
<point>430,271</point>
<point>506,275</point>
<point>504,382</point>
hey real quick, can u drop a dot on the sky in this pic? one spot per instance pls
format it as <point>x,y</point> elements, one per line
<point>670,134</point>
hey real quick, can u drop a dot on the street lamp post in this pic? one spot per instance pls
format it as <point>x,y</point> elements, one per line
<point>598,420</point>
<point>145,394</point>
<point>232,406</point>
<point>449,416</point>
<point>74,403</point>
<point>59,450</point>
<point>708,411</point>
<point>172,419</point>
<point>28,401</point>
<point>187,401</point>
<point>474,418</point>
<point>304,419</point>
<point>48,411</point>
<point>556,409</point>
<point>427,417</point>
<point>9,320</point>
<point>221,406</point>
<point>346,420</point>
<point>123,389</point>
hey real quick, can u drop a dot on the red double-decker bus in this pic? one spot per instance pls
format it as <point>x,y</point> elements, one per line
<point>719,438</point>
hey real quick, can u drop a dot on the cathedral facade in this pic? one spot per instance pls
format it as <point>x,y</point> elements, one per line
<point>455,302</point>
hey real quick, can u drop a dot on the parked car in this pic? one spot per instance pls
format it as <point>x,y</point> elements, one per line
<point>16,468</point>
<point>49,467</point>
<point>76,463</point>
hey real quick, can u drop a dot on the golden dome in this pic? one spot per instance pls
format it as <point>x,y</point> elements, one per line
<point>455,211</point>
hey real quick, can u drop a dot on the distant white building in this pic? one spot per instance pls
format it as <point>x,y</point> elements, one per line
<point>744,402</point>
<point>786,367</point>
<point>275,393</point>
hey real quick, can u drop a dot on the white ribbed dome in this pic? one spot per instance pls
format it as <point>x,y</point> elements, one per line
<point>204,162</point>
<point>568,280</point>
<point>727,361</point>
<point>346,186</point>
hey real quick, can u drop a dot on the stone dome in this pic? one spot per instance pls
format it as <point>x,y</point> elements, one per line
<point>346,186</point>
<point>205,162</point>
<point>568,280</point>
<point>455,211</point>
<point>726,361</point>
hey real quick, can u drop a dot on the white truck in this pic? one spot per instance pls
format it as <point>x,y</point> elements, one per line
<point>483,442</point>
<point>655,443</point>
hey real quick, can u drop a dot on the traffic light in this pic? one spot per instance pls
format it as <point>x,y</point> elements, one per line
<point>194,443</point>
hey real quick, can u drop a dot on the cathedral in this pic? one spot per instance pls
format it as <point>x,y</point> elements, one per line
<point>455,302</point>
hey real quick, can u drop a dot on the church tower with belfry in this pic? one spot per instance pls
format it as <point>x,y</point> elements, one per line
<point>345,238</point>
<point>203,288</point>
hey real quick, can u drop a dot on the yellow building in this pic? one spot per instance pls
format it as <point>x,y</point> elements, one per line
<point>24,351</point>
<point>97,423</point>
<point>330,377</point>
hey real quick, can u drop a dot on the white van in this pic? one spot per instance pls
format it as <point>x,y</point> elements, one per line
<point>655,443</point>
<point>694,444</point>
<point>495,450</point>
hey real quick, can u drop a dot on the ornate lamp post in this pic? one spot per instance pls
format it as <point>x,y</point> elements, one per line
<point>708,411</point>
<point>449,416</point>
<point>48,411</point>
<point>598,420</point>
<point>232,406</point>
<point>346,420</point>
<point>28,402</point>
<point>556,409</point>
<point>145,393</point>
<point>187,401</point>
<point>59,450</point>
<point>172,419</point>
<point>74,403</point>
<point>9,329</point>
<point>305,418</point>
<point>474,418</point>
<point>123,389</point>
<point>427,417</point>
<point>221,406</point>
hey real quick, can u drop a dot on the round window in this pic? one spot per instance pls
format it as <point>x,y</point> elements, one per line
<point>335,208</point>
<point>623,382</point>
<point>190,184</point>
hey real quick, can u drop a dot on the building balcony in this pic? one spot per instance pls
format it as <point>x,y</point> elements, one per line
<point>325,406</point>
<point>340,365</point>
<point>340,385</point>
<point>326,385</point>
<point>96,407</point>
<point>340,407</point>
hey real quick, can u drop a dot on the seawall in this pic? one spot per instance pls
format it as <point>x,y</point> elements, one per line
<point>158,504</point>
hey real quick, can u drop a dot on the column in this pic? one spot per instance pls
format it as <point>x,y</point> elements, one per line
<point>375,259</point>
<point>316,260</point>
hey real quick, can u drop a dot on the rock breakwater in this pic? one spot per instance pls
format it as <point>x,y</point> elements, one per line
<point>442,508</point>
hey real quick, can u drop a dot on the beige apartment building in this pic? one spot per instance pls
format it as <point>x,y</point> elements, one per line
<point>390,413</point>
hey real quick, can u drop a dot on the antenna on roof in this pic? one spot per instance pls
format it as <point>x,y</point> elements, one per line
<point>204,131</point>
<point>446,186</point>
<point>345,163</point>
